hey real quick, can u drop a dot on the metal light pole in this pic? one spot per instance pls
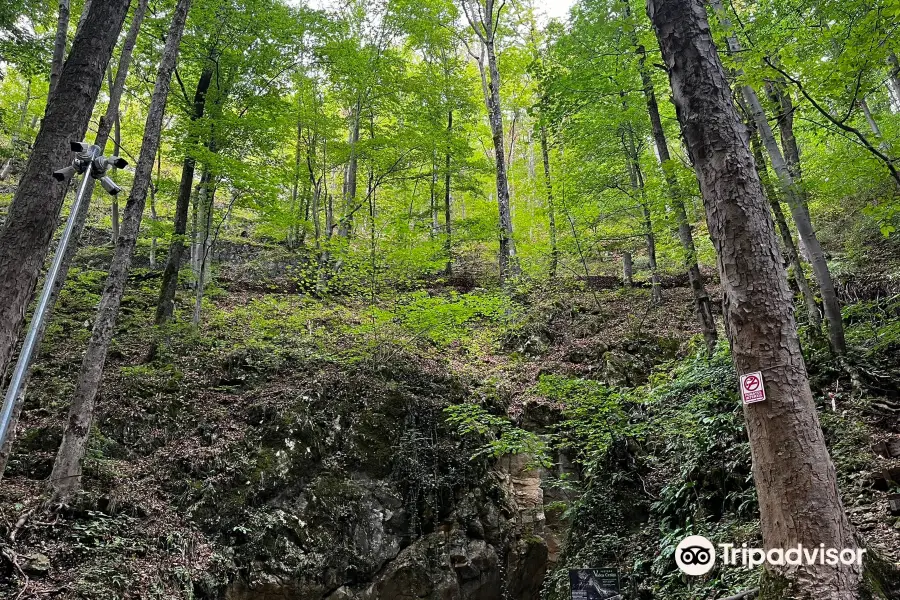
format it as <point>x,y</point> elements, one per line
<point>89,162</point>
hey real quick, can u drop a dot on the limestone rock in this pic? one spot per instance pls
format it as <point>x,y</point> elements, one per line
<point>36,564</point>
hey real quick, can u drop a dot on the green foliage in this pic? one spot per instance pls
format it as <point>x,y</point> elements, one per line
<point>502,437</point>
<point>445,320</point>
<point>595,417</point>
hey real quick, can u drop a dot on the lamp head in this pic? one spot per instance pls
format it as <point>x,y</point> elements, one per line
<point>109,185</point>
<point>63,174</point>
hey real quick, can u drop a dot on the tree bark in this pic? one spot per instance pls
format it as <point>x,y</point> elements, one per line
<point>508,263</point>
<point>345,227</point>
<point>448,215</point>
<point>103,130</point>
<point>795,478</point>
<point>796,199</point>
<point>893,81</point>
<point>435,226</point>
<point>206,201</point>
<point>59,44</point>
<point>165,306</point>
<point>66,476</point>
<point>202,219</point>
<point>627,270</point>
<point>551,213</point>
<point>34,211</point>
<point>153,214</point>
<point>873,126</point>
<point>117,142</point>
<point>784,118</point>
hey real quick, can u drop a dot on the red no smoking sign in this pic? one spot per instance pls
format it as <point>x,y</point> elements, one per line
<point>752,388</point>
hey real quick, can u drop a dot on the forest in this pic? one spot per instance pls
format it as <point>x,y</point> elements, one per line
<point>450,299</point>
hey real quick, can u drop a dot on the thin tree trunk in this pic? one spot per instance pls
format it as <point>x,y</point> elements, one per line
<point>165,306</point>
<point>66,476</point>
<point>551,213</point>
<point>329,216</point>
<point>103,130</point>
<point>153,214</point>
<point>293,226</point>
<point>206,200</point>
<point>655,287</point>
<point>873,126</point>
<point>627,270</point>
<point>202,214</point>
<point>34,211</point>
<point>702,304</point>
<point>793,256</point>
<point>117,142</point>
<point>509,267</point>
<point>316,183</point>
<point>59,44</point>
<point>448,216</point>
<point>795,478</point>
<point>796,200</point>
<point>893,80</point>
<point>787,237</point>
<point>637,184</point>
<point>435,227</point>
<point>784,118</point>
<point>345,227</point>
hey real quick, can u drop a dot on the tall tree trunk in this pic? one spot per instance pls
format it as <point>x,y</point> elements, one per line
<point>873,126</point>
<point>345,227</point>
<point>435,227</point>
<point>329,216</point>
<point>627,270</point>
<point>655,287</point>
<point>784,118</point>
<point>448,215</point>
<point>59,44</point>
<point>103,130</point>
<point>795,478</point>
<point>793,256</point>
<point>117,142</point>
<point>153,214</point>
<point>66,476</point>
<point>34,212</point>
<point>702,304</point>
<point>795,196</point>
<point>206,201</point>
<point>551,213</point>
<point>893,80</point>
<point>202,215</point>
<point>509,267</point>
<point>165,306</point>
<point>637,184</point>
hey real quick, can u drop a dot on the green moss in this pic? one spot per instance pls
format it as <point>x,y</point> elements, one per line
<point>774,586</point>
<point>880,578</point>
